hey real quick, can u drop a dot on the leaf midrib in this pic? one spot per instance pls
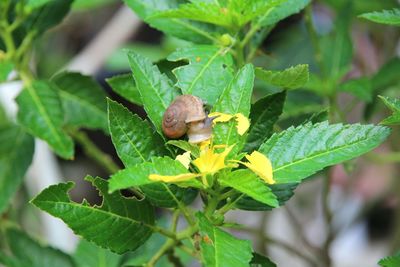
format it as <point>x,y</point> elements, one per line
<point>91,106</point>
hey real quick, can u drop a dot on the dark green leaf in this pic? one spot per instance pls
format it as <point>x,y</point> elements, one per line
<point>124,85</point>
<point>156,90</point>
<point>181,28</point>
<point>387,75</point>
<point>160,194</point>
<point>283,192</point>
<point>88,254</point>
<point>394,105</point>
<point>248,183</point>
<point>285,9</point>
<point>298,153</point>
<point>209,71</point>
<point>16,152</point>
<point>361,88</point>
<point>235,99</point>
<point>263,115</point>
<point>119,224</point>
<point>40,111</point>
<point>318,117</point>
<point>291,78</point>
<point>220,249</point>
<point>84,101</point>
<point>27,252</point>
<point>261,261</point>
<point>389,17</point>
<point>186,146</point>
<point>133,138</point>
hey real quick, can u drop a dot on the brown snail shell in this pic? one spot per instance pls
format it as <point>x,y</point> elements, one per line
<point>186,115</point>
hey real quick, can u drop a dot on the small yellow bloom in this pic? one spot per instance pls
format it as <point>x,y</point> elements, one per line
<point>173,178</point>
<point>184,159</point>
<point>243,123</point>
<point>260,165</point>
<point>210,162</point>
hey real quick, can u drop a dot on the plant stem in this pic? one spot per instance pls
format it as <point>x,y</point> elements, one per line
<point>169,244</point>
<point>92,151</point>
<point>328,219</point>
<point>181,206</point>
<point>175,220</point>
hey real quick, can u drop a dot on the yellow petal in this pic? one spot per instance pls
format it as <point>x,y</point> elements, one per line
<point>184,159</point>
<point>220,117</point>
<point>210,162</point>
<point>243,123</point>
<point>260,165</point>
<point>173,178</point>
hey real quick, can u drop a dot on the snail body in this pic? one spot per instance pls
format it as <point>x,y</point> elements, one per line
<point>186,115</point>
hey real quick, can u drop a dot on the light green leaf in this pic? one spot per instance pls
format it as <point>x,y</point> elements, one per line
<point>88,254</point>
<point>186,146</point>
<point>119,224</point>
<point>40,111</point>
<point>138,175</point>
<point>263,115</point>
<point>16,152</point>
<point>133,138</point>
<point>90,4</point>
<point>248,183</point>
<point>389,17</point>
<point>361,88</point>
<point>156,90</point>
<point>83,100</point>
<point>394,105</point>
<point>298,153</point>
<point>291,78</point>
<point>192,31</point>
<point>392,261</point>
<point>124,85</point>
<point>261,261</point>
<point>220,249</point>
<point>32,4</point>
<point>283,193</point>
<point>28,252</point>
<point>285,9</point>
<point>235,99</point>
<point>209,71</point>
<point>6,67</point>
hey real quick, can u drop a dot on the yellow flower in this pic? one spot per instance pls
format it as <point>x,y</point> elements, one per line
<point>210,162</point>
<point>243,123</point>
<point>173,178</point>
<point>184,159</point>
<point>260,165</point>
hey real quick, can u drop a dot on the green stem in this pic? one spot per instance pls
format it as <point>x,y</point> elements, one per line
<point>168,245</point>
<point>181,206</point>
<point>92,151</point>
<point>328,219</point>
<point>175,220</point>
<point>228,206</point>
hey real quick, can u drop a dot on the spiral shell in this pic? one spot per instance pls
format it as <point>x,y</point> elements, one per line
<point>183,113</point>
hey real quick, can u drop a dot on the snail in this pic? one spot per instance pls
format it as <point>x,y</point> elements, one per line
<point>186,115</point>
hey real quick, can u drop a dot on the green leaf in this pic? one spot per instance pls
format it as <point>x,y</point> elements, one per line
<point>6,66</point>
<point>298,153</point>
<point>205,12</point>
<point>89,255</point>
<point>180,28</point>
<point>291,78</point>
<point>283,192</point>
<point>361,88</point>
<point>90,4</point>
<point>133,138</point>
<point>392,261</point>
<point>235,99</point>
<point>119,224</point>
<point>261,261</point>
<point>209,71</point>
<point>394,105</point>
<point>16,152</point>
<point>156,90</point>
<point>387,75</point>
<point>186,146</point>
<point>32,4</point>
<point>160,194</point>
<point>40,111</point>
<point>138,175</point>
<point>220,249</point>
<point>389,17</point>
<point>83,100</point>
<point>248,183</point>
<point>285,9</point>
<point>263,115</point>
<point>124,85</point>
<point>27,252</point>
